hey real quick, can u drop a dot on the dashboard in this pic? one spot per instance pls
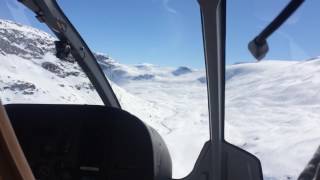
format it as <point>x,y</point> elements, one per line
<point>80,142</point>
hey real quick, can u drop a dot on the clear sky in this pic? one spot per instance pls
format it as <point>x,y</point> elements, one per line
<point>161,32</point>
<point>297,39</point>
<point>168,32</point>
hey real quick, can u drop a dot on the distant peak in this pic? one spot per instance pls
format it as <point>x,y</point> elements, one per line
<point>314,58</point>
<point>102,56</point>
<point>181,70</point>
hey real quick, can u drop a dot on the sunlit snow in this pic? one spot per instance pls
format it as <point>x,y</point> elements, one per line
<point>272,107</point>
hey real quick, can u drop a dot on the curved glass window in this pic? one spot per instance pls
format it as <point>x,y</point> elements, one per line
<point>150,51</point>
<point>272,105</point>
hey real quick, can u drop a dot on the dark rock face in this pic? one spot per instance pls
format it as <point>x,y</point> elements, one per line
<point>105,62</point>
<point>23,44</point>
<point>87,86</point>
<point>72,73</point>
<point>21,86</point>
<point>58,70</point>
<point>101,57</point>
<point>51,67</point>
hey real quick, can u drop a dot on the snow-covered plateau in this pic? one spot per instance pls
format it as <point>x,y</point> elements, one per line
<point>272,107</point>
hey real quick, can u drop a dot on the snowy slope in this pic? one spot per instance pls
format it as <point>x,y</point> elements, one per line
<point>273,112</point>
<point>271,106</point>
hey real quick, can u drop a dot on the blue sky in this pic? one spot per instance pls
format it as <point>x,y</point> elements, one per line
<point>297,39</point>
<point>168,32</point>
<point>162,32</point>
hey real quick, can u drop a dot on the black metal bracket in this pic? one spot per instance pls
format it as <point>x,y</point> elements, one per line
<point>259,45</point>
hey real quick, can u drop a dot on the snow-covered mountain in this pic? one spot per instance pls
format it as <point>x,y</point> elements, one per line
<point>272,107</point>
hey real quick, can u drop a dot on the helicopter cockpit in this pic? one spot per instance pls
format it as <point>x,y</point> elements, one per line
<point>71,112</point>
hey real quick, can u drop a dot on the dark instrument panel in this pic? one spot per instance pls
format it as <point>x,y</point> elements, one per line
<point>81,142</point>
